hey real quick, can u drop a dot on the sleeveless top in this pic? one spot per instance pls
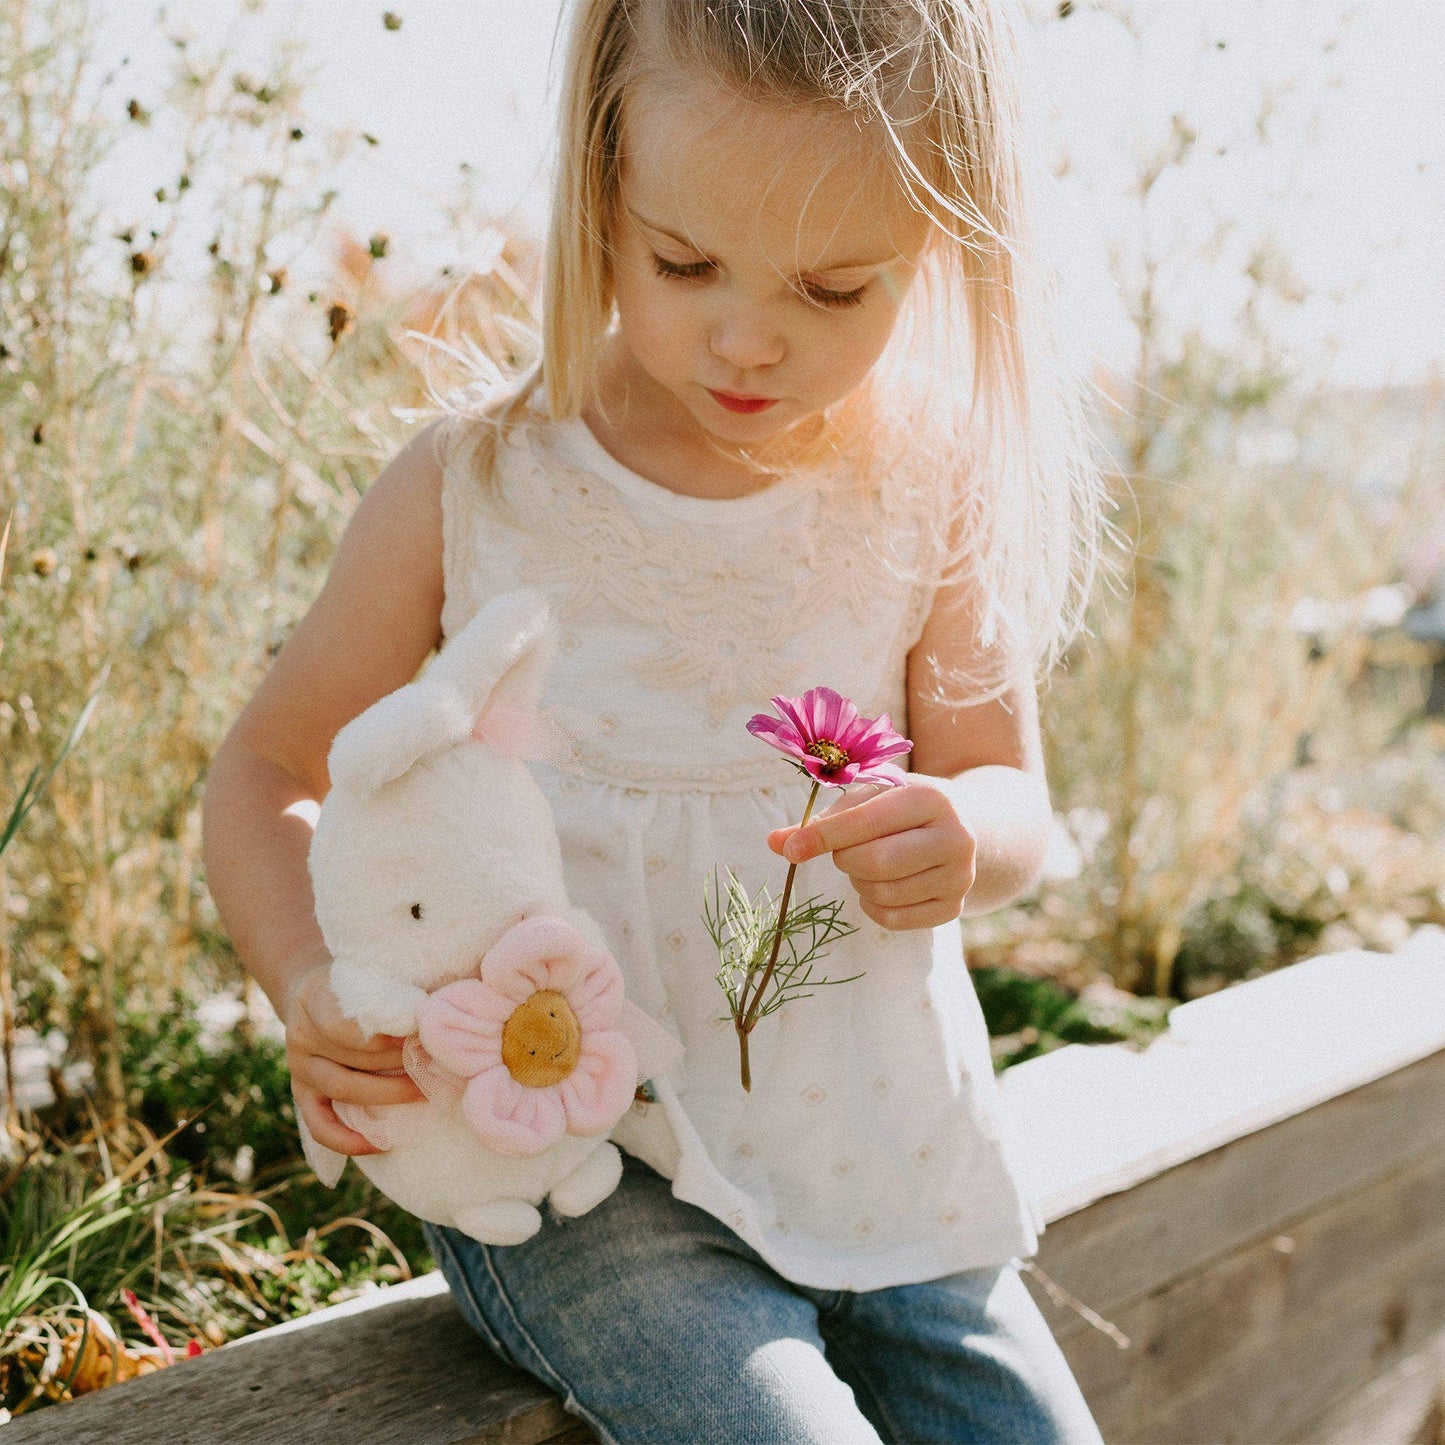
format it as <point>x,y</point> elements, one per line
<point>870,1150</point>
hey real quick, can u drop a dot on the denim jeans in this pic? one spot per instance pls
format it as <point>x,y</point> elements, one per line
<point>655,1323</point>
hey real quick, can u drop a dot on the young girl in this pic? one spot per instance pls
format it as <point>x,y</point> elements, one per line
<point>794,424</point>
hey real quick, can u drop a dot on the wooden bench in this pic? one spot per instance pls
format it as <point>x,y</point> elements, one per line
<point>1256,1203</point>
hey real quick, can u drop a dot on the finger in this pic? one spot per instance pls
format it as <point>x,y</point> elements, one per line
<point>917,915</point>
<point>328,1020</point>
<point>326,1128</point>
<point>371,1061</point>
<point>888,811</point>
<point>356,1086</point>
<point>930,884</point>
<point>381,1051</point>
<point>898,855</point>
<point>845,800</point>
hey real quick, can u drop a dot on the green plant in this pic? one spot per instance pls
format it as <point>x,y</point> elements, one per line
<point>1028,1015</point>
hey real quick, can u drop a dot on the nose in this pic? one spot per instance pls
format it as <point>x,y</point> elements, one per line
<point>746,344</point>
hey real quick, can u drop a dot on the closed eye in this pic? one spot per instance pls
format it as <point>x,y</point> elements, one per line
<point>817,295</point>
<point>822,296</point>
<point>680,270</point>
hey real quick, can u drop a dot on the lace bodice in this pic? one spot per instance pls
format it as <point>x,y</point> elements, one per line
<point>714,606</point>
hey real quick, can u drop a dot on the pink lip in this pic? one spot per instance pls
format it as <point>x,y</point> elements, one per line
<point>745,404</point>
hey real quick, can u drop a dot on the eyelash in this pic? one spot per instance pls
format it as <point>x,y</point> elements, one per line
<point>818,295</point>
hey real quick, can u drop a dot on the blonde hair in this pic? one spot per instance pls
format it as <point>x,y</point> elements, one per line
<point>986,434</point>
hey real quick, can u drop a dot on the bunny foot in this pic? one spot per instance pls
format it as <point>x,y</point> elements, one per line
<point>504,1221</point>
<point>590,1183</point>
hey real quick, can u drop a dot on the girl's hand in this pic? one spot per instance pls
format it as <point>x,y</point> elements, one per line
<point>330,1058</point>
<point>905,849</point>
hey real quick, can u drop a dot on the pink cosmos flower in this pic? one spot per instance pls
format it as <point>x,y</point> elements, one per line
<point>831,742</point>
<point>535,1039</point>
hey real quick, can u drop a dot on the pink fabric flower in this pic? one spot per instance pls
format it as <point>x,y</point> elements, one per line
<point>831,742</point>
<point>536,1039</point>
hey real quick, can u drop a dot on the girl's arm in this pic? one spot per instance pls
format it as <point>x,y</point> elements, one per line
<point>375,621</point>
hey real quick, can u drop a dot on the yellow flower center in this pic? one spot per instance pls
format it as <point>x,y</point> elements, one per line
<point>542,1040</point>
<point>833,757</point>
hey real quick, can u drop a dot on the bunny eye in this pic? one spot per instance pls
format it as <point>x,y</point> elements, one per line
<point>416,910</point>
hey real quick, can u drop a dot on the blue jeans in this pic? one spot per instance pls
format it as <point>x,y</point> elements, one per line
<point>655,1323</point>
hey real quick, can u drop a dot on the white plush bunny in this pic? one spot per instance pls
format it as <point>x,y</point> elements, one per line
<point>439,891</point>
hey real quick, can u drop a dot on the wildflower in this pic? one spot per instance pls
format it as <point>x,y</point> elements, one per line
<point>828,741</point>
<point>831,742</point>
<point>535,1039</point>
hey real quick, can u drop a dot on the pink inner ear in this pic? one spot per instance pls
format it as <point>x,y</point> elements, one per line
<point>512,730</point>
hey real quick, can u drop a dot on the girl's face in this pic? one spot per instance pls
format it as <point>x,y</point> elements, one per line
<point>760,257</point>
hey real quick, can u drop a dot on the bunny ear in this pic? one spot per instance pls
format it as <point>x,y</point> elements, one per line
<point>392,735</point>
<point>501,656</point>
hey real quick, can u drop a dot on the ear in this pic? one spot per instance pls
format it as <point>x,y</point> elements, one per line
<point>407,725</point>
<point>501,656</point>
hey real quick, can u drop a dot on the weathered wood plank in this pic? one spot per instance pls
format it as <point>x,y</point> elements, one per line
<point>1194,1328</point>
<point>1404,1406</point>
<point>1320,1358</point>
<point>412,1372</point>
<point>1124,1245</point>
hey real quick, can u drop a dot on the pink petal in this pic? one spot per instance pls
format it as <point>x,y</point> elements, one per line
<point>879,739</point>
<point>597,1093</point>
<point>816,704</point>
<point>513,1120</point>
<point>460,1026</point>
<point>536,953</point>
<point>840,717</point>
<point>781,735</point>
<point>882,773</point>
<point>798,712</point>
<point>596,996</point>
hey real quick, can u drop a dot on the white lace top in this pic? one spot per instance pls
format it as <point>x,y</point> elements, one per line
<point>869,1151</point>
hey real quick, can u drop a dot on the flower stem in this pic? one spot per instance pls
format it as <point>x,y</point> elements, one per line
<point>748,1009</point>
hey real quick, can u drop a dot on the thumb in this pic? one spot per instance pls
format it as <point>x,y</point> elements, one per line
<point>847,798</point>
